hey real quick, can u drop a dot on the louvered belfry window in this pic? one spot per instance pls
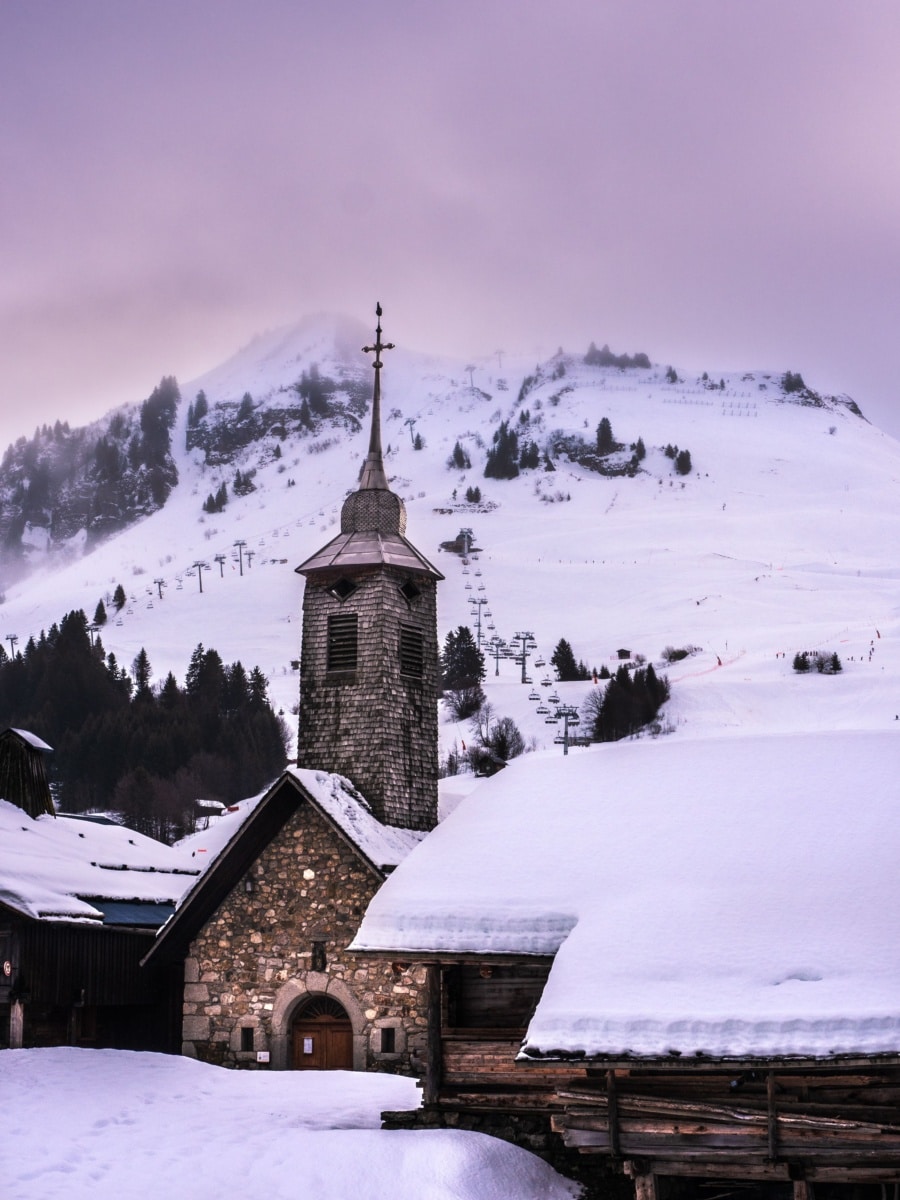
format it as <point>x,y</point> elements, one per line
<point>342,642</point>
<point>412,651</point>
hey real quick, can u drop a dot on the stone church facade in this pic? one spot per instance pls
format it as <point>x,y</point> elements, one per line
<point>268,972</point>
<point>263,936</point>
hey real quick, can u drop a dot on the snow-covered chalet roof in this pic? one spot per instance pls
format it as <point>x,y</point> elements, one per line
<point>734,897</point>
<point>52,867</point>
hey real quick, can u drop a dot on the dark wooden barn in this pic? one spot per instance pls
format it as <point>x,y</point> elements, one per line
<point>80,903</point>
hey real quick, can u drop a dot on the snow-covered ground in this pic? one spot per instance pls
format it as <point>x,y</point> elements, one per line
<point>113,1125</point>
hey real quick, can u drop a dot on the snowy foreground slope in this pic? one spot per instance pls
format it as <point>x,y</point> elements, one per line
<point>112,1125</point>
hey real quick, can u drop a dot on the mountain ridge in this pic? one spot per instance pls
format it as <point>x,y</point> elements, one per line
<point>778,539</point>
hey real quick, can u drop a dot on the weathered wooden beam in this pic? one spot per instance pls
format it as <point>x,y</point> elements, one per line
<point>612,1113</point>
<point>432,1083</point>
<point>715,1169</point>
<point>16,1025</point>
<point>772,1115</point>
<point>645,1187</point>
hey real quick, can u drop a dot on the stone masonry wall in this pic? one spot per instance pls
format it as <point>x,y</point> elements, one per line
<point>374,725</point>
<point>251,965</point>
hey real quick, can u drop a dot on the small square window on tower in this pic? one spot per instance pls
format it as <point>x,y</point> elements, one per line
<point>389,1040</point>
<point>412,651</point>
<point>410,592</point>
<point>246,1037</point>
<point>343,589</point>
<point>342,642</point>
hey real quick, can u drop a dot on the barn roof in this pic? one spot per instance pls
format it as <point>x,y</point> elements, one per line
<point>32,739</point>
<point>729,897</point>
<point>58,869</point>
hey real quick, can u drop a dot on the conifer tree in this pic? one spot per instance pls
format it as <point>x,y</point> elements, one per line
<point>142,673</point>
<point>459,458</point>
<point>462,663</point>
<point>503,457</point>
<point>605,441</point>
<point>563,658</point>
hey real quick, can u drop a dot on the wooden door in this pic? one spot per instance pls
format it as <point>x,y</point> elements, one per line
<point>322,1042</point>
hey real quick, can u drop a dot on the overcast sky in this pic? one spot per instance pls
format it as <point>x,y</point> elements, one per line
<point>715,182</point>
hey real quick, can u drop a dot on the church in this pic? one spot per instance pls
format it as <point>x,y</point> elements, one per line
<point>263,935</point>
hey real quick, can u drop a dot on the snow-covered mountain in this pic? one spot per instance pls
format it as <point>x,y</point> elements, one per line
<point>780,537</point>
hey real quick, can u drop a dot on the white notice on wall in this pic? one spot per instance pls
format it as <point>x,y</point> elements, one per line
<point>307,1045</point>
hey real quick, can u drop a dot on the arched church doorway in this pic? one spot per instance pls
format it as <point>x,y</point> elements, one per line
<point>321,1036</point>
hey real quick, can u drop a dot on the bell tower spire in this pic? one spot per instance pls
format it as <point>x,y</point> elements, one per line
<point>369,665</point>
<point>373,475</point>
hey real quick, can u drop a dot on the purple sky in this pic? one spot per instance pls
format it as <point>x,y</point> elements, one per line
<point>716,183</point>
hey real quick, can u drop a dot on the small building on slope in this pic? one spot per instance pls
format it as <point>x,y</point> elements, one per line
<point>676,959</point>
<point>80,903</point>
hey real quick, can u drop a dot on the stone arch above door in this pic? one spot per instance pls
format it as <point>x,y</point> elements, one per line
<point>296,992</point>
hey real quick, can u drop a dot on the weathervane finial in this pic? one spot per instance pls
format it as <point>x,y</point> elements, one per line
<point>379,344</point>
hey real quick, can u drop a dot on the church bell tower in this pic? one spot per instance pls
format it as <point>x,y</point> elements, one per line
<point>369,671</point>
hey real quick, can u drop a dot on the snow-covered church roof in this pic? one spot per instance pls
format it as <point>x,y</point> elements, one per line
<point>225,850</point>
<point>733,897</point>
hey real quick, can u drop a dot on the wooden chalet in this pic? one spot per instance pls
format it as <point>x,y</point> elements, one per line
<point>648,987</point>
<point>80,903</point>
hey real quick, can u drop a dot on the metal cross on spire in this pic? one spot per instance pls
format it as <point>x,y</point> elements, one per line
<point>373,474</point>
<point>379,344</point>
